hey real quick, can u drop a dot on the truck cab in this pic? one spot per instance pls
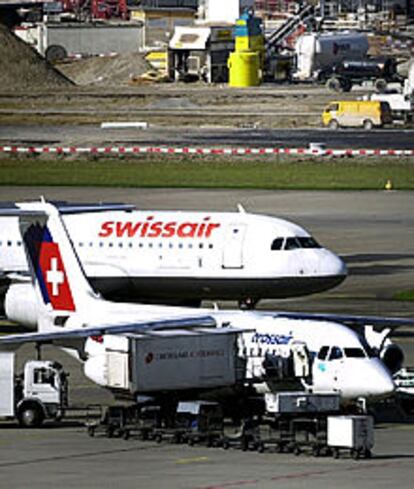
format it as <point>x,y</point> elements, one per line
<point>40,393</point>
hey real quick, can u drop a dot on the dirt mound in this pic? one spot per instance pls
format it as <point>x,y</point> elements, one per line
<point>21,67</point>
<point>108,70</point>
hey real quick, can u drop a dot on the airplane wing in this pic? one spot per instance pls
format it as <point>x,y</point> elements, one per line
<point>352,320</point>
<point>177,327</point>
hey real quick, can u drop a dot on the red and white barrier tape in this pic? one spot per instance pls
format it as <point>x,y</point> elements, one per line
<point>120,150</point>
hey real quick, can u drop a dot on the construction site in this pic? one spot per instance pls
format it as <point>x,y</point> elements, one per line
<point>167,58</point>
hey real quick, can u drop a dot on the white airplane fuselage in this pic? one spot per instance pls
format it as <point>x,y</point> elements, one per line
<point>176,256</point>
<point>340,361</point>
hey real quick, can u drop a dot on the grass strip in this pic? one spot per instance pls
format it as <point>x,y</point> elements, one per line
<point>404,295</point>
<point>289,173</point>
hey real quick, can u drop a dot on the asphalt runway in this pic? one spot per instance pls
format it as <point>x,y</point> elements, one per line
<point>79,135</point>
<point>374,233</point>
<point>68,458</point>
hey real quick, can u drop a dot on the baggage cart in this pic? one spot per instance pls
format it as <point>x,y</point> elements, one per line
<point>351,433</point>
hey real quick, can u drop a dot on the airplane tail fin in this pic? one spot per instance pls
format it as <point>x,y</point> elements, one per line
<point>61,285</point>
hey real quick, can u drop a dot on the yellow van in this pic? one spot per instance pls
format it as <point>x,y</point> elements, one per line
<point>357,113</point>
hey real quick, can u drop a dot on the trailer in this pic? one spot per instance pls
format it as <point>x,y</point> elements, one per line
<point>40,393</point>
<point>57,41</point>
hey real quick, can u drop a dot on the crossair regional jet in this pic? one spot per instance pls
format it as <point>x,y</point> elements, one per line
<point>70,313</point>
<point>179,257</point>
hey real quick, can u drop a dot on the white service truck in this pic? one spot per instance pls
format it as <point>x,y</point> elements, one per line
<point>401,103</point>
<point>40,393</point>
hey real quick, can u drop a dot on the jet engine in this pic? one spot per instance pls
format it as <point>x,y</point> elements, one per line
<point>393,356</point>
<point>20,304</point>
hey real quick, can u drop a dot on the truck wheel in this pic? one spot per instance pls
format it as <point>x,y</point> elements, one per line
<point>334,84</point>
<point>346,85</point>
<point>55,53</point>
<point>333,124</point>
<point>368,124</point>
<point>380,85</point>
<point>30,417</point>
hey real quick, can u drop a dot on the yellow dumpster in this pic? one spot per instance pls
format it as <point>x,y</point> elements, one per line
<point>244,69</point>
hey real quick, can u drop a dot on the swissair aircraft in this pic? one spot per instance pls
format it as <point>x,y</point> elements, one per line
<point>72,315</point>
<point>177,257</point>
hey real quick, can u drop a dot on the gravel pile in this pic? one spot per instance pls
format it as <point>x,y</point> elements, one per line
<point>107,70</point>
<point>21,67</point>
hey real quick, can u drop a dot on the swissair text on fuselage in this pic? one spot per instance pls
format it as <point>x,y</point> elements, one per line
<point>150,228</point>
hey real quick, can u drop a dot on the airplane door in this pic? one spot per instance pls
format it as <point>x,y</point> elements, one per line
<point>233,246</point>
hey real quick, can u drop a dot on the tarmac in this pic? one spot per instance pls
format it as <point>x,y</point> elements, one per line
<point>373,231</point>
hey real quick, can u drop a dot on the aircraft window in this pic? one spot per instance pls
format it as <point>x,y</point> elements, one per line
<point>19,243</point>
<point>354,352</point>
<point>120,245</point>
<point>277,244</point>
<point>171,245</point>
<point>336,353</point>
<point>180,245</point>
<point>111,245</point>
<point>90,244</point>
<point>100,244</point>
<point>210,246</point>
<point>201,245</point>
<point>292,244</point>
<point>130,245</point>
<point>190,245</point>
<point>9,243</point>
<point>140,245</point>
<point>323,353</point>
<point>309,242</point>
<point>150,245</point>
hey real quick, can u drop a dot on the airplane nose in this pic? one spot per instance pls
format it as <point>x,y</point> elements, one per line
<point>379,380</point>
<point>336,266</point>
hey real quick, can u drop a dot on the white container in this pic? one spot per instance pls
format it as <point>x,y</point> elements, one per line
<point>353,432</point>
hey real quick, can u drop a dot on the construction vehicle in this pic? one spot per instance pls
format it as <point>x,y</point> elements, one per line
<point>347,73</point>
<point>316,54</point>
<point>40,393</point>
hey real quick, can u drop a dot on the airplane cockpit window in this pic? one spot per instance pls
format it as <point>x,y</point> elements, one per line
<point>277,244</point>
<point>336,353</point>
<point>323,353</point>
<point>308,242</point>
<point>354,352</point>
<point>292,244</point>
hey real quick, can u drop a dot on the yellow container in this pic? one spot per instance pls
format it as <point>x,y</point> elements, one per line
<point>244,69</point>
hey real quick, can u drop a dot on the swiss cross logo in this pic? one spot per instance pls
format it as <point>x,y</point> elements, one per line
<point>55,281</point>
